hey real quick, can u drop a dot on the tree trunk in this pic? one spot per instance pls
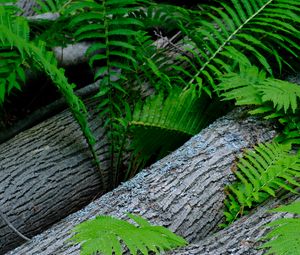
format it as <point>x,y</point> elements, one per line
<point>46,173</point>
<point>243,236</point>
<point>184,191</point>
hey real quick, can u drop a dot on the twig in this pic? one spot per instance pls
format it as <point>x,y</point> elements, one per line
<point>3,217</point>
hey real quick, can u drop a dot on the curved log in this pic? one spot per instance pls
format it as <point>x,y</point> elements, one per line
<point>46,173</point>
<point>183,191</point>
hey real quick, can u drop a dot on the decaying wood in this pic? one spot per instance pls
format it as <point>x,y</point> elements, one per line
<point>183,191</point>
<point>47,172</point>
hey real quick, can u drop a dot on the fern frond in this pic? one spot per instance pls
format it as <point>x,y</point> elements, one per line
<point>161,17</point>
<point>284,95</point>
<point>243,30</point>
<point>251,86</point>
<point>161,124</point>
<point>12,74</point>
<point>11,60</point>
<point>115,28</point>
<point>272,98</point>
<point>106,234</point>
<point>284,238</point>
<point>10,6</point>
<point>261,173</point>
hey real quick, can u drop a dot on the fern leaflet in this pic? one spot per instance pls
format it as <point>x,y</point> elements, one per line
<point>284,237</point>
<point>105,233</point>
<point>109,21</point>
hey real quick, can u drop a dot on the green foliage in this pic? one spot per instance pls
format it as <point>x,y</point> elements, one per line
<point>161,17</point>
<point>251,86</point>
<point>107,235</point>
<point>244,31</point>
<point>11,59</point>
<point>285,235</point>
<point>10,6</point>
<point>217,40</point>
<point>125,59</point>
<point>161,124</point>
<point>107,22</point>
<point>261,173</point>
<point>12,74</point>
<point>272,98</point>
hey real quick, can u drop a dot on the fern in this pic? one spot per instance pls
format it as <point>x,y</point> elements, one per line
<point>12,74</point>
<point>109,22</point>
<point>252,87</point>
<point>106,234</point>
<point>244,32</point>
<point>284,237</point>
<point>161,17</point>
<point>272,98</point>
<point>261,173</point>
<point>161,124</point>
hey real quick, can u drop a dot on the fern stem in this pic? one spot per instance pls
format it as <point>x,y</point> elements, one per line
<point>227,40</point>
<point>110,97</point>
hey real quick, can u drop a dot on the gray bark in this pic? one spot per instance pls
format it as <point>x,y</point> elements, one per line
<point>46,173</point>
<point>241,238</point>
<point>27,6</point>
<point>183,191</point>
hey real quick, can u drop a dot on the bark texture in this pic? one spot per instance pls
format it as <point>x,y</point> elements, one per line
<point>183,191</point>
<point>27,6</point>
<point>243,236</point>
<point>47,172</point>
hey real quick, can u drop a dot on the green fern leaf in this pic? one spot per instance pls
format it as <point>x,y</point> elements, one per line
<point>251,87</point>
<point>161,124</point>
<point>261,173</point>
<point>117,53</point>
<point>12,75</point>
<point>106,234</point>
<point>284,238</point>
<point>272,98</point>
<point>241,31</point>
<point>284,95</point>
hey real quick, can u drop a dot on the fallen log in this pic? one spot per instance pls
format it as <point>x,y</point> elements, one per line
<point>243,237</point>
<point>183,191</point>
<point>46,173</point>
